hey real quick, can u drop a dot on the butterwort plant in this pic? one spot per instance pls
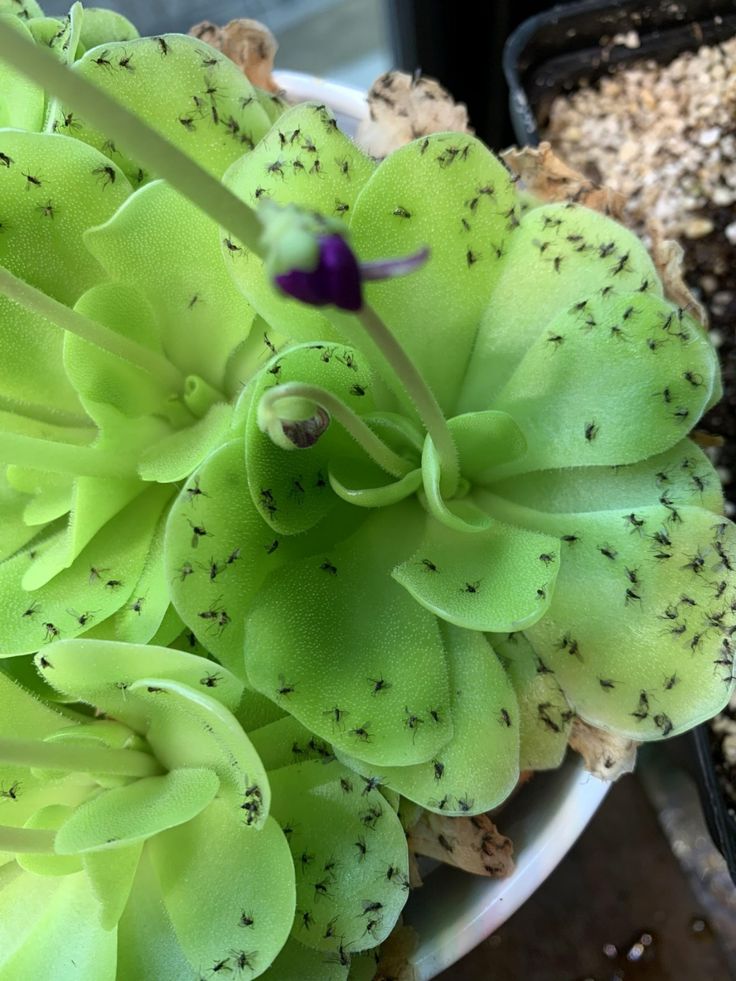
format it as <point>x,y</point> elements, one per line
<point>404,459</point>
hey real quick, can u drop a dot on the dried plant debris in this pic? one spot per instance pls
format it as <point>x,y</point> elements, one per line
<point>394,956</point>
<point>248,43</point>
<point>473,844</point>
<point>547,177</point>
<point>605,754</point>
<point>668,257</point>
<point>405,107</point>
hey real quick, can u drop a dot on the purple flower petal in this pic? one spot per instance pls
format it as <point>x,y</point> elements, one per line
<point>335,280</point>
<point>389,268</point>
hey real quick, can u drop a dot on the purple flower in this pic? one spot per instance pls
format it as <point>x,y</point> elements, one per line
<point>338,276</point>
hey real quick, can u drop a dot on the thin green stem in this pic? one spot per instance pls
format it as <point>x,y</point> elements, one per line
<point>363,435</point>
<point>76,323</point>
<point>78,758</point>
<point>420,394</point>
<point>139,139</point>
<point>26,840</point>
<point>80,461</point>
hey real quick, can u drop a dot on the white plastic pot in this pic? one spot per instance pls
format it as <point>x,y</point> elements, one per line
<point>454,911</point>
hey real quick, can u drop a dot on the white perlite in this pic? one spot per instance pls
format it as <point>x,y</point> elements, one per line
<point>663,136</point>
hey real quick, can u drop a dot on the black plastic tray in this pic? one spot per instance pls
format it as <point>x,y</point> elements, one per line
<point>555,51</point>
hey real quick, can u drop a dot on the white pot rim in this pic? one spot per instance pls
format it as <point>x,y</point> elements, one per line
<point>455,911</point>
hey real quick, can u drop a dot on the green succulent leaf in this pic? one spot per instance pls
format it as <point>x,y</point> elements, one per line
<point>303,160</point>
<point>176,456</point>
<point>52,923</point>
<point>306,618</point>
<point>219,550</point>
<point>478,768</point>
<point>49,818</point>
<point>484,440</point>
<point>299,963</point>
<point>79,596</point>
<point>574,253</point>
<point>637,631</point>
<point>140,620</point>
<point>544,714</point>
<point>111,872</point>
<point>101,672</point>
<point>24,10</point>
<point>248,913</point>
<point>500,578</point>
<point>187,296</point>
<point>137,811</point>
<point>187,727</point>
<point>101,379</point>
<point>51,193</point>
<point>683,474</point>
<point>100,26</point>
<point>448,192</point>
<point>23,101</point>
<point>350,857</point>
<point>194,96</point>
<point>285,741</point>
<point>658,367</point>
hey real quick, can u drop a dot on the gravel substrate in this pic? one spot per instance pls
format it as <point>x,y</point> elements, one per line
<point>665,137</point>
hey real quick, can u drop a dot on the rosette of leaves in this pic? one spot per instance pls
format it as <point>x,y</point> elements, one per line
<point>122,338</point>
<point>149,841</point>
<point>494,445</point>
<point>473,507</point>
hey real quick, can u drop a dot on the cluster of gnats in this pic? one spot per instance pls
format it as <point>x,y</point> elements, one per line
<point>318,528</point>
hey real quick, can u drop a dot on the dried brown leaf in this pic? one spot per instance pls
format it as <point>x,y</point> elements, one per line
<point>395,952</point>
<point>605,754</point>
<point>248,43</point>
<point>405,107</point>
<point>550,179</point>
<point>473,843</point>
<point>667,255</point>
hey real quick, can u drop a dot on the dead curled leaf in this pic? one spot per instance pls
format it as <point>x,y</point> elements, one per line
<point>550,179</point>
<point>405,107</point>
<point>470,843</point>
<point>248,43</point>
<point>667,255</point>
<point>394,956</point>
<point>605,754</point>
